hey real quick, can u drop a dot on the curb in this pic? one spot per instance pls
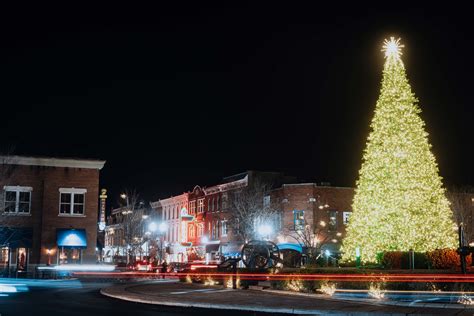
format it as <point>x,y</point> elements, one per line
<point>264,309</point>
<point>378,303</point>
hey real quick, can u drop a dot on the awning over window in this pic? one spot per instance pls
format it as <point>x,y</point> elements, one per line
<point>289,246</point>
<point>231,249</point>
<point>16,237</point>
<point>71,238</point>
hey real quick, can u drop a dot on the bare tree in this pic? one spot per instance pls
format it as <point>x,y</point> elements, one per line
<point>309,237</point>
<point>131,220</point>
<point>462,205</point>
<point>249,210</point>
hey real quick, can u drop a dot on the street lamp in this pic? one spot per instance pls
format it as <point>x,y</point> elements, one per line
<point>163,227</point>
<point>265,230</point>
<point>153,227</point>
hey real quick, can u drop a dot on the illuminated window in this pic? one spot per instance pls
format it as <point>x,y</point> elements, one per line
<point>224,228</point>
<point>200,205</point>
<point>17,200</point>
<point>200,230</point>
<point>191,231</point>
<point>332,224</point>
<point>298,219</point>
<point>71,201</point>
<point>345,217</point>
<point>215,230</point>
<point>192,207</point>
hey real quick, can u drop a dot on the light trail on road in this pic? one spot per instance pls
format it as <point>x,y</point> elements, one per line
<point>440,278</point>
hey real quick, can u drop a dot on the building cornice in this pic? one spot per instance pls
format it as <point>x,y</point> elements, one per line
<point>53,162</point>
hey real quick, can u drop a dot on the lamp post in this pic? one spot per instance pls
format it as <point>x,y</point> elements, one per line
<point>48,251</point>
<point>126,212</point>
<point>162,229</point>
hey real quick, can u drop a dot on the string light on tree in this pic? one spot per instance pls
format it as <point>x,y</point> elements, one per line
<point>399,203</point>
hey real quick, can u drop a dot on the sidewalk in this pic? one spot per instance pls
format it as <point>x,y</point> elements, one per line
<point>200,296</point>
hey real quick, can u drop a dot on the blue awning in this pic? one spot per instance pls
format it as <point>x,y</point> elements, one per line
<point>71,238</point>
<point>288,246</point>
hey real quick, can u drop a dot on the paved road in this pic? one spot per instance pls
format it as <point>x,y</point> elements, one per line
<point>74,298</point>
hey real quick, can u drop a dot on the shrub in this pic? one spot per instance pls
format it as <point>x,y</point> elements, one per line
<point>446,259</point>
<point>392,259</point>
<point>401,260</point>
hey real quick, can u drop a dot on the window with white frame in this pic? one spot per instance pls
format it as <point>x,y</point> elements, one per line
<point>224,202</point>
<point>266,201</point>
<point>345,217</point>
<point>217,204</point>
<point>17,199</point>
<point>71,201</point>
<point>332,224</point>
<point>191,231</point>
<point>298,219</point>
<point>192,207</point>
<point>200,230</point>
<point>200,205</point>
<point>224,228</point>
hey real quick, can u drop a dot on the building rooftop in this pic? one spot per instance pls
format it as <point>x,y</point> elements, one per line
<point>52,162</point>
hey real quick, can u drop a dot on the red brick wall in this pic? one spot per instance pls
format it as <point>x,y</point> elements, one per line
<point>44,218</point>
<point>292,197</point>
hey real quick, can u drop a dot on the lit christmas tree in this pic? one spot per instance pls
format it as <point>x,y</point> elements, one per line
<point>399,203</point>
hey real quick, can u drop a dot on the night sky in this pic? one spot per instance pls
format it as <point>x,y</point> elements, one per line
<point>177,96</point>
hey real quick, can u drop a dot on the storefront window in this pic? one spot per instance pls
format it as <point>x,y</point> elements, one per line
<point>21,261</point>
<point>68,256</point>
<point>4,253</point>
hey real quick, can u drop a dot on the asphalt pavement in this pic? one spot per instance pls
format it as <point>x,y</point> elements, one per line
<point>75,298</point>
<point>219,298</point>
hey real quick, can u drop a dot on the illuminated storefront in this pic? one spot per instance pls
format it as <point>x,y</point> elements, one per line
<point>71,242</point>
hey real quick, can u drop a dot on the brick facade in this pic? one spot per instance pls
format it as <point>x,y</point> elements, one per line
<point>45,177</point>
<point>318,203</point>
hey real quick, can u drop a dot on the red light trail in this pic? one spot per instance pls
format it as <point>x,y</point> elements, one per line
<point>439,278</point>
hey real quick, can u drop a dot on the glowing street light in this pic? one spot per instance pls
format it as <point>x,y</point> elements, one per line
<point>123,196</point>
<point>163,227</point>
<point>153,227</point>
<point>265,230</point>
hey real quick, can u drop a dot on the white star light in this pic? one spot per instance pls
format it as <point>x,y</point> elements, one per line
<point>392,47</point>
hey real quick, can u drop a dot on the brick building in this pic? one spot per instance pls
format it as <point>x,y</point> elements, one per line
<point>126,234</point>
<point>49,211</point>
<point>324,208</point>
<point>198,220</point>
